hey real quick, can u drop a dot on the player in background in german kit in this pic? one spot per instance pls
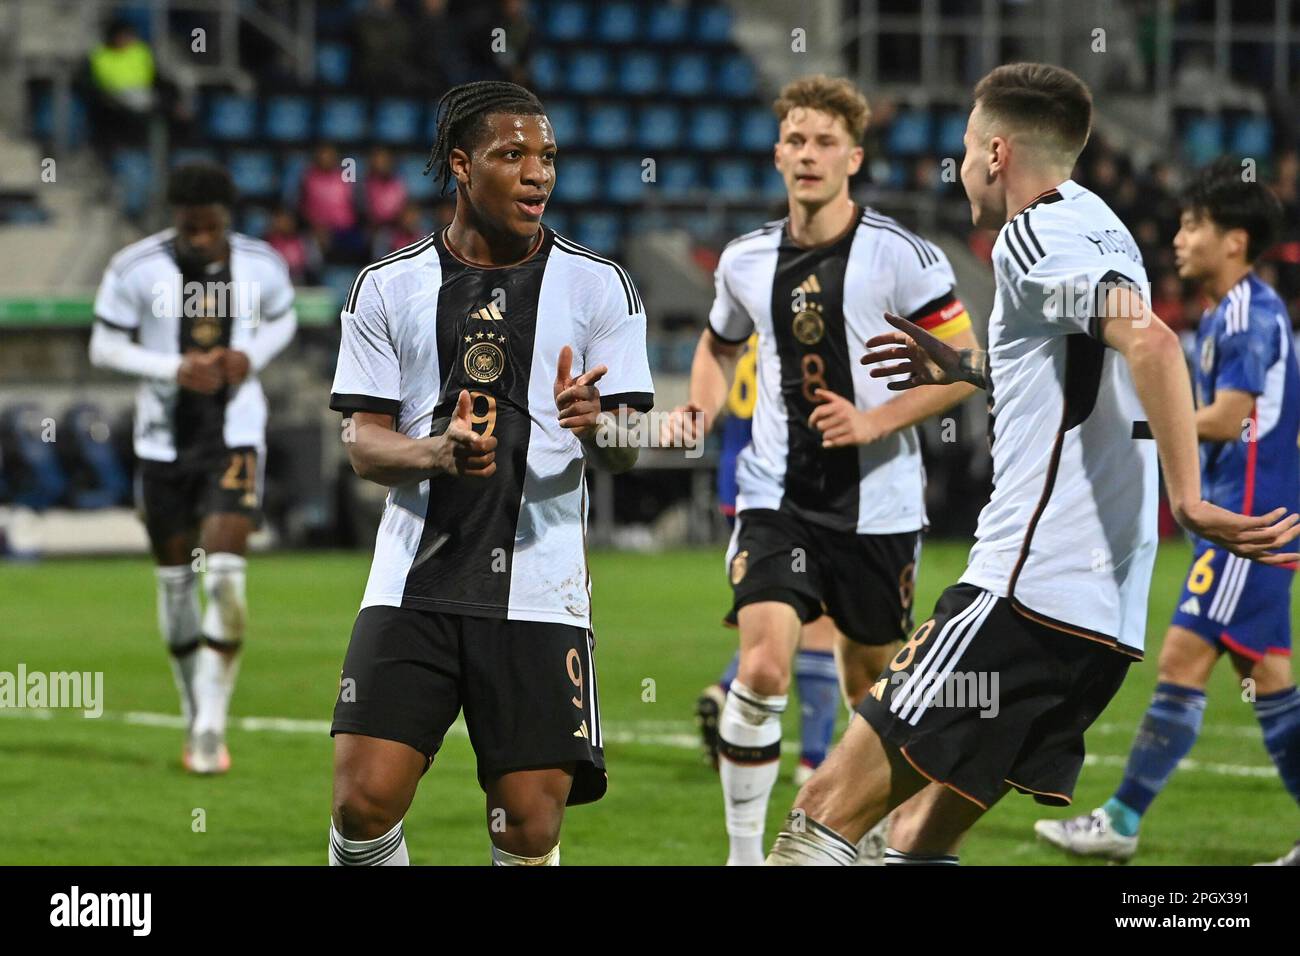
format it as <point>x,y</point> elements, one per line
<point>816,677</point>
<point>1248,421</point>
<point>480,371</point>
<point>831,489</point>
<point>1054,596</point>
<point>196,312</point>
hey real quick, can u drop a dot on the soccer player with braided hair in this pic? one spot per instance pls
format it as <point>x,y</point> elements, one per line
<point>480,372</point>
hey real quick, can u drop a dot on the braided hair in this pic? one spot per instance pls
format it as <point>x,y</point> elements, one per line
<point>461,112</point>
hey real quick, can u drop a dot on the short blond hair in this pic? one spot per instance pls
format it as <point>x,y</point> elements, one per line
<point>830,94</point>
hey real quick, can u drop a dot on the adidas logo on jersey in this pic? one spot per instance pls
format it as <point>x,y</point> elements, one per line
<point>489,313</point>
<point>582,731</point>
<point>1191,606</point>
<point>811,285</point>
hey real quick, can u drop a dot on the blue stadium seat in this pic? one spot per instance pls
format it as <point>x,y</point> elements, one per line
<point>578,180</point>
<point>133,175</point>
<point>566,20</point>
<point>710,128</point>
<point>703,225</point>
<point>253,172</point>
<point>191,154</point>
<point>397,121</point>
<point>609,125</point>
<point>333,63</point>
<point>1252,136</point>
<point>623,182</point>
<point>343,119</point>
<point>99,478</point>
<point>566,121</point>
<point>712,25</point>
<point>292,167</point>
<point>255,221</point>
<point>667,23</point>
<point>758,130</point>
<point>287,119</point>
<point>39,478</point>
<point>660,126</point>
<point>418,186</point>
<point>638,73</point>
<point>557,219</point>
<point>678,178</point>
<point>617,23</point>
<point>547,71</point>
<point>339,279</point>
<point>733,178</point>
<point>600,231</point>
<point>232,117</point>
<point>1202,139</point>
<point>588,72</point>
<point>949,138</point>
<point>772,185</point>
<point>736,77</point>
<point>909,134</point>
<point>688,74</point>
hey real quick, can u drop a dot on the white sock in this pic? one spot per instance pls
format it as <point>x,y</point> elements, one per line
<point>900,858</point>
<point>806,842</point>
<point>501,858</point>
<point>178,621</point>
<point>749,755</point>
<point>224,620</point>
<point>388,850</point>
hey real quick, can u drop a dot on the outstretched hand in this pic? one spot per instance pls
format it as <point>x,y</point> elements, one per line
<point>924,358</point>
<point>1257,537</point>
<point>577,399</point>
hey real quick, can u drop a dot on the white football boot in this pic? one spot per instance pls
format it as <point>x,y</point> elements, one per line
<point>1088,835</point>
<point>1290,859</point>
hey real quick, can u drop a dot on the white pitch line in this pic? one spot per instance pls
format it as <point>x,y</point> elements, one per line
<point>652,732</point>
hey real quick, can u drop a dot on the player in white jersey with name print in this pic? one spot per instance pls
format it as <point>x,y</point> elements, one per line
<point>468,367</point>
<point>1087,387</point>
<point>831,501</point>
<point>196,312</point>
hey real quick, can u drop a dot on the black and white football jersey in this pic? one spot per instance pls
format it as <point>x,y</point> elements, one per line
<point>813,309</point>
<point>245,303</point>
<point>1069,533</point>
<point>421,325</point>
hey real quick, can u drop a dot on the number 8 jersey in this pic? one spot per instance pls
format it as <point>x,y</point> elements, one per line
<point>813,309</point>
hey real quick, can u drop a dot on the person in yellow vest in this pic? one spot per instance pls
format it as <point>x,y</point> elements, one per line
<point>120,87</point>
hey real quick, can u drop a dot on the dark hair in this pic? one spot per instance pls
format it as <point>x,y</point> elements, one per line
<point>461,112</point>
<point>1039,98</point>
<point>200,184</point>
<point>1220,193</point>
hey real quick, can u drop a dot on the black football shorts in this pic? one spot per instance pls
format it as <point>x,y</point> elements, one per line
<point>865,582</point>
<point>528,690</point>
<point>982,698</point>
<point>175,499</point>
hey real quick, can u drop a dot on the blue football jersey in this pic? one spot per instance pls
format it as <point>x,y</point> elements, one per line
<point>1244,343</point>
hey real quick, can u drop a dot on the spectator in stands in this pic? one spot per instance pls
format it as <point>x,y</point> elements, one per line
<point>299,253</point>
<point>497,56</point>
<point>437,51</point>
<point>406,229</point>
<point>384,189</point>
<point>118,83</point>
<point>328,206</point>
<point>382,37</point>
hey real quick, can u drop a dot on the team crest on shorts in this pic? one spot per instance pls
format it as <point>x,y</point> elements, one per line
<point>484,361</point>
<point>739,565</point>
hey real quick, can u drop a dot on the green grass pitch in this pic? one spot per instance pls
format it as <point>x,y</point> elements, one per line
<point>111,791</point>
